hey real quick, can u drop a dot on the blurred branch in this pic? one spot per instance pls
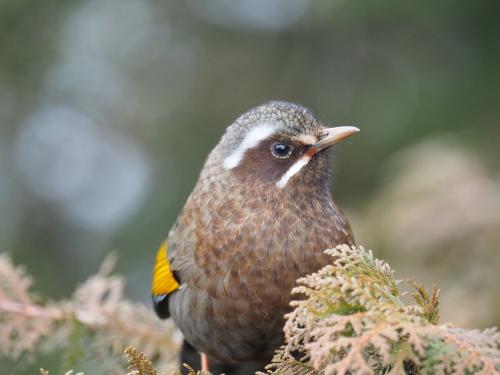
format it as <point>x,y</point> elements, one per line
<point>98,305</point>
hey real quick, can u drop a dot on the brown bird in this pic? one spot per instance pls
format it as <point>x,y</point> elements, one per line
<point>259,217</point>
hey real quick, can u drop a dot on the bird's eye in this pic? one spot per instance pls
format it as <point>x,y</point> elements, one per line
<point>281,150</point>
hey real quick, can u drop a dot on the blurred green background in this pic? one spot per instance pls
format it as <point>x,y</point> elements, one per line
<point>109,107</point>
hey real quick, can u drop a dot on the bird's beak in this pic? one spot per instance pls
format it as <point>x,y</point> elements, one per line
<point>331,136</point>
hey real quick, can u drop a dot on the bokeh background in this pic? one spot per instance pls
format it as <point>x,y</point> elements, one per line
<point>109,107</point>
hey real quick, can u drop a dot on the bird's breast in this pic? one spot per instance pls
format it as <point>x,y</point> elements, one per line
<point>254,249</point>
<point>249,246</point>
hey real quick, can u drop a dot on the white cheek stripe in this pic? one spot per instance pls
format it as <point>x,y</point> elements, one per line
<point>292,171</point>
<point>252,139</point>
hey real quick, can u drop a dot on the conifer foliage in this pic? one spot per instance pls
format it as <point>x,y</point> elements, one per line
<point>347,318</point>
<point>353,321</point>
<point>97,322</point>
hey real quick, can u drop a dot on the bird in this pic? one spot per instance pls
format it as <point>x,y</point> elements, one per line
<point>259,217</point>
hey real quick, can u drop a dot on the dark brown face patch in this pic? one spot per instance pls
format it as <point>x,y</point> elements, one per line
<point>260,165</point>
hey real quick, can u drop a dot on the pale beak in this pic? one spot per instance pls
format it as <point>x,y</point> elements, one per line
<point>334,135</point>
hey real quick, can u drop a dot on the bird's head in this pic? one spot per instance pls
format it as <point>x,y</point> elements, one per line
<point>279,144</point>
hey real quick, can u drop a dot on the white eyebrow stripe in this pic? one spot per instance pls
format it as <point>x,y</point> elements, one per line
<point>252,139</point>
<point>292,171</point>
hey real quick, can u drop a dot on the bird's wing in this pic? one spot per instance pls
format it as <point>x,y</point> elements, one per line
<point>175,261</point>
<point>164,282</point>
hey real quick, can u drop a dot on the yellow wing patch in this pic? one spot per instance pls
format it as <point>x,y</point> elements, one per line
<point>164,281</point>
